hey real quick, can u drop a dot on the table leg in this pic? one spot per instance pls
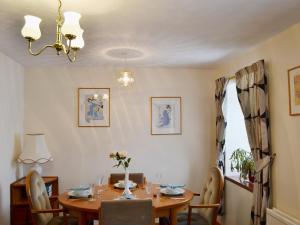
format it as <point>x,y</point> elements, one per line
<point>82,218</point>
<point>173,217</point>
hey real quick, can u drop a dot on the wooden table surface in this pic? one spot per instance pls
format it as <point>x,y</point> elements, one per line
<point>163,206</point>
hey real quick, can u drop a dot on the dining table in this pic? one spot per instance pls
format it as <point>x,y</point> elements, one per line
<point>87,209</point>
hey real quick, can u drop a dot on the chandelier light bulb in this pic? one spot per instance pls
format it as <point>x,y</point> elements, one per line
<point>71,24</point>
<point>31,28</point>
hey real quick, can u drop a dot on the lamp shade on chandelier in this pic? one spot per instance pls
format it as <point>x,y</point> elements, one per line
<point>67,27</point>
<point>71,26</point>
<point>31,29</point>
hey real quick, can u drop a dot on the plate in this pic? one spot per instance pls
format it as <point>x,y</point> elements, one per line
<point>172,185</point>
<point>81,194</point>
<point>80,188</point>
<point>172,191</point>
<point>121,186</point>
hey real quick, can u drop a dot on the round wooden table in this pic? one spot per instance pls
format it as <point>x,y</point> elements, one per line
<point>163,206</point>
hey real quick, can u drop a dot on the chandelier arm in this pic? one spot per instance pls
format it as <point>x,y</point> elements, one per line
<point>39,51</point>
<point>73,57</point>
<point>69,47</point>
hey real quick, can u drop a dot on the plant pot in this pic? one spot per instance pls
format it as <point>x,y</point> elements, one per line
<point>251,177</point>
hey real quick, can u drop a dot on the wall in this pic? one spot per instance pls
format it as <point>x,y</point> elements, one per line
<point>280,53</point>
<point>238,203</point>
<point>81,154</point>
<point>11,128</point>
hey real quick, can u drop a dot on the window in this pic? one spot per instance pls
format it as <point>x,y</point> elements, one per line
<point>235,134</point>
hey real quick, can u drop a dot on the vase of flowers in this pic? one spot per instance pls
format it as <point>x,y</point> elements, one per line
<point>123,160</point>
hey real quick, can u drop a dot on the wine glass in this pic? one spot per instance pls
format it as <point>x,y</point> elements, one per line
<point>158,177</point>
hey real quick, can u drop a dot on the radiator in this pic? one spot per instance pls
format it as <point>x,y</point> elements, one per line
<point>276,217</point>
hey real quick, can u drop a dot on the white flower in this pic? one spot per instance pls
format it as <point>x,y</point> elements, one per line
<point>112,155</point>
<point>122,154</point>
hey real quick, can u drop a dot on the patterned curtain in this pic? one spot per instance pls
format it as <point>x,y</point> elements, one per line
<point>252,89</point>
<point>220,93</point>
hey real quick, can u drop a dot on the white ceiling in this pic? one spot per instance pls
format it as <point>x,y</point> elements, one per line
<point>181,33</point>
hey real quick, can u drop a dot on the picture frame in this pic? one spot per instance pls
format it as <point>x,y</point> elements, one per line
<point>93,107</point>
<point>294,90</point>
<point>166,115</point>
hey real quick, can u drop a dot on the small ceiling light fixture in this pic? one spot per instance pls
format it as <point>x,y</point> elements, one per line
<point>126,78</point>
<point>69,28</point>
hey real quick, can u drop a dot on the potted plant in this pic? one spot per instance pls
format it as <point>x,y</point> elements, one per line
<point>243,162</point>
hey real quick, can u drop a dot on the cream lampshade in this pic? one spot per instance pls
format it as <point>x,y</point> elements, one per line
<point>71,24</point>
<point>78,42</point>
<point>31,28</point>
<point>35,151</point>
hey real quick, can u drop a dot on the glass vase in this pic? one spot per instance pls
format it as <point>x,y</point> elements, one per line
<point>127,193</point>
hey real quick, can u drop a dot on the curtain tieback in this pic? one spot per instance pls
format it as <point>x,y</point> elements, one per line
<point>262,163</point>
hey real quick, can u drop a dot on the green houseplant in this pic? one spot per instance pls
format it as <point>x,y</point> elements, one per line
<point>243,162</point>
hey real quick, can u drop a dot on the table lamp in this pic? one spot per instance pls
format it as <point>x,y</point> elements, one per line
<point>35,152</point>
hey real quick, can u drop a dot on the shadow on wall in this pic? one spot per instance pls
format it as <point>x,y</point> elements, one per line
<point>16,152</point>
<point>1,208</point>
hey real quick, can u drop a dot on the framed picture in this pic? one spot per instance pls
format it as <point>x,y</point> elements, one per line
<point>294,90</point>
<point>165,115</point>
<point>93,107</point>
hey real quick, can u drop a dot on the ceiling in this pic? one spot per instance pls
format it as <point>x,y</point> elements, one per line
<point>172,33</point>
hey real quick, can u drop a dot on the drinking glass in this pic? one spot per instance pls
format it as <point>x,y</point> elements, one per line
<point>148,189</point>
<point>158,176</point>
<point>92,192</point>
<point>100,183</point>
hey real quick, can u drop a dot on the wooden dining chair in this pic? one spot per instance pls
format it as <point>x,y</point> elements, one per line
<point>41,210</point>
<point>135,177</point>
<point>209,204</point>
<point>122,212</point>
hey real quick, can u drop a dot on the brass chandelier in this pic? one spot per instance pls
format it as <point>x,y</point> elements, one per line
<point>68,27</point>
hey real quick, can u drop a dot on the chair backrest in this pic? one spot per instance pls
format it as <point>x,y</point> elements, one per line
<point>38,197</point>
<point>135,177</point>
<point>131,212</point>
<point>211,194</point>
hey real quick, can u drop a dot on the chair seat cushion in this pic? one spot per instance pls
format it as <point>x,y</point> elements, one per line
<point>59,220</point>
<point>197,219</point>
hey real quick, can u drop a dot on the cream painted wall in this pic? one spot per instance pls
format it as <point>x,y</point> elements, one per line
<point>81,154</point>
<point>11,128</point>
<point>238,203</point>
<point>280,53</point>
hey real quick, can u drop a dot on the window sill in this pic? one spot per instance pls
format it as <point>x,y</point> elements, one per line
<point>236,180</point>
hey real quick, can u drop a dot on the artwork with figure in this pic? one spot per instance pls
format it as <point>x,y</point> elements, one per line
<point>166,119</point>
<point>165,115</point>
<point>93,107</point>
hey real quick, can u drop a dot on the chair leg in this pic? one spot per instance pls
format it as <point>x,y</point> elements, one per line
<point>189,216</point>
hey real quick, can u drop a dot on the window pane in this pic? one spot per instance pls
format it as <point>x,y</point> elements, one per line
<point>235,134</point>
